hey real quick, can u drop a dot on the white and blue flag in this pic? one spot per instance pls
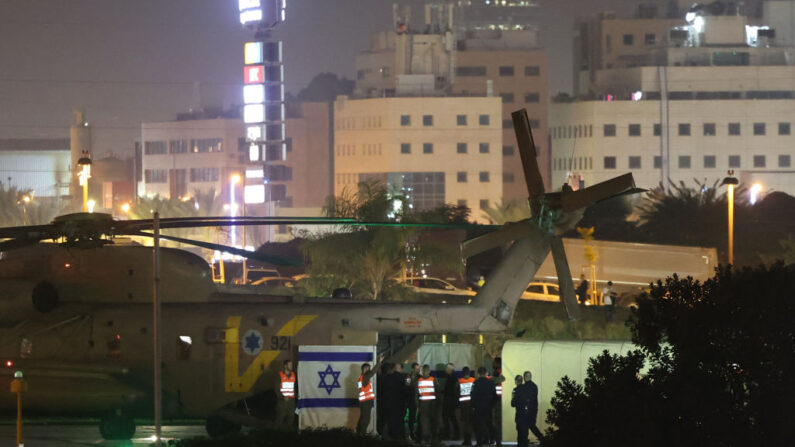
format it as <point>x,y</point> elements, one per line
<point>327,392</point>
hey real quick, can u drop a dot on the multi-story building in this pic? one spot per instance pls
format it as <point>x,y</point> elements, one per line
<point>719,97</point>
<point>195,154</point>
<point>496,54</point>
<point>445,150</point>
<point>39,165</point>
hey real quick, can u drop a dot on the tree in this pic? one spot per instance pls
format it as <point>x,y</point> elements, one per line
<point>720,368</point>
<point>510,211</point>
<point>325,87</point>
<point>20,207</point>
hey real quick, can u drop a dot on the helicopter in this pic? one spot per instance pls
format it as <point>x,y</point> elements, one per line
<point>78,320</point>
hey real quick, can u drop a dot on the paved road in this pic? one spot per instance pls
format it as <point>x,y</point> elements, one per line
<point>83,435</point>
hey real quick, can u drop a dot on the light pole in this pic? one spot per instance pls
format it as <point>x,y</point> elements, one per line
<point>731,182</point>
<point>85,173</point>
<point>233,180</point>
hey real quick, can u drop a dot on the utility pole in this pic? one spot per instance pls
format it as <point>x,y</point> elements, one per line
<point>156,325</point>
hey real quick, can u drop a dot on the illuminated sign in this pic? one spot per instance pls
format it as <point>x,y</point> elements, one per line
<point>254,94</point>
<point>255,173</point>
<point>253,53</point>
<point>253,113</point>
<point>253,133</point>
<point>248,4</point>
<point>253,152</point>
<point>254,74</point>
<point>253,15</point>
<point>254,194</point>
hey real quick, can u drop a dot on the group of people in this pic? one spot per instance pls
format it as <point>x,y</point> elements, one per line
<point>448,407</point>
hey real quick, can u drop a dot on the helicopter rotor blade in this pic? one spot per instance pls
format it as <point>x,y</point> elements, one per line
<point>270,259</point>
<point>567,292</point>
<point>621,185</point>
<point>509,232</point>
<point>528,153</point>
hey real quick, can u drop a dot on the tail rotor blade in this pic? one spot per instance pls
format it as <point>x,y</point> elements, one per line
<point>527,150</point>
<point>567,293</point>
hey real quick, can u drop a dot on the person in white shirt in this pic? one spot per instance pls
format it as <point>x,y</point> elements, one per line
<point>609,301</point>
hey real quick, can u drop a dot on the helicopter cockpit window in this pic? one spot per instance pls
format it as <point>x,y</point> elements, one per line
<point>114,346</point>
<point>184,343</point>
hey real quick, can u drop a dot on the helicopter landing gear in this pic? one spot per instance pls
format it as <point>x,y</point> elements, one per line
<point>117,426</point>
<point>219,427</point>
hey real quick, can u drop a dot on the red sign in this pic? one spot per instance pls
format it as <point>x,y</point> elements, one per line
<point>254,74</point>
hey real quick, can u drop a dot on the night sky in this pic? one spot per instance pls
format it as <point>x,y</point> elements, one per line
<point>133,61</point>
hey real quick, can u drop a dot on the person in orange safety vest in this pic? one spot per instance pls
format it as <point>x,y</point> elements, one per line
<point>366,395</point>
<point>285,405</point>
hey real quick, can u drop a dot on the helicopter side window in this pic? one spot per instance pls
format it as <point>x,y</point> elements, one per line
<point>184,344</point>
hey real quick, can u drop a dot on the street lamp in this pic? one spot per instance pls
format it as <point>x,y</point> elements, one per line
<point>125,208</point>
<point>731,182</point>
<point>233,180</point>
<point>85,173</point>
<point>754,193</point>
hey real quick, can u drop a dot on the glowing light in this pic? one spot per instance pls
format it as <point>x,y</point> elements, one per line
<point>186,339</point>
<point>253,153</point>
<point>26,199</point>
<point>254,74</point>
<point>252,15</point>
<point>67,265</point>
<point>698,24</point>
<point>255,173</point>
<point>254,133</point>
<point>91,204</point>
<point>253,113</point>
<point>254,194</point>
<point>690,16</point>
<point>254,94</point>
<point>253,53</point>
<point>754,193</point>
<point>9,364</point>
<point>248,4</point>
<point>125,207</point>
<point>637,96</point>
<point>235,178</point>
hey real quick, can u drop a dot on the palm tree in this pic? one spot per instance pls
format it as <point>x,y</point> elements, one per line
<point>507,211</point>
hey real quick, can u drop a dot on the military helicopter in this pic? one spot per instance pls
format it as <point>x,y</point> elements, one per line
<point>78,321</point>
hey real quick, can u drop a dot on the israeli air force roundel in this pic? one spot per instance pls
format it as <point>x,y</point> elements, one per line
<point>252,342</point>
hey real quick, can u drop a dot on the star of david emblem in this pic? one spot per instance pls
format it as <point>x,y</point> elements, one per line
<point>252,342</point>
<point>324,374</point>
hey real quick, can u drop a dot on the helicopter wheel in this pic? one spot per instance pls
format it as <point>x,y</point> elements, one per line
<point>117,426</point>
<point>218,427</point>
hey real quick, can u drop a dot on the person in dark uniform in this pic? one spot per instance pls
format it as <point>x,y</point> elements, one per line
<point>496,424</point>
<point>450,404</point>
<point>411,400</point>
<point>484,394</point>
<point>395,402</point>
<point>525,401</point>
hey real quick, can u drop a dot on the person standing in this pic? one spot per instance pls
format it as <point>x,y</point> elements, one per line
<point>582,289</point>
<point>484,394</point>
<point>411,400</point>
<point>450,404</point>
<point>285,404</point>
<point>395,402</point>
<point>426,406</point>
<point>465,404</point>
<point>609,301</point>
<point>366,395</point>
<point>526,403</point>
<point>496,424</point>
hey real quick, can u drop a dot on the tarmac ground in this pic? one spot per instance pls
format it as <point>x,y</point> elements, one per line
<point>88,435</point>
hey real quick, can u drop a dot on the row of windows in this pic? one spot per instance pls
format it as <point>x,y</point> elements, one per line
<point>504,70</point>
<point>683,130</point>
<point>199,175</point>
<point>508,98</point>
<point>460,120</point>
<point>683,162</point>
<point>156,175</point>
<point>461,148</point>
<point>367,122</point>
<point>350,149</point>
<point>184,146</point>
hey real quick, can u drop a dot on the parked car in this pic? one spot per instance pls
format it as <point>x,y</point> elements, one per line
<point>434,285</point>
<point>275,282</point>
<point>542,291</point>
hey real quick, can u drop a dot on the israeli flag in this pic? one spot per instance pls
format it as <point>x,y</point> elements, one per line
<point>327,392</point>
